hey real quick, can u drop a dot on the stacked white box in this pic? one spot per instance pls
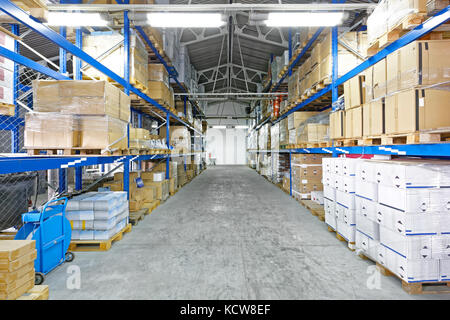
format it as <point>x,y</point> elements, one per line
<point>97,215</point>
<point>6,71</point>
<point>414,216</point>
<point>339,189</point>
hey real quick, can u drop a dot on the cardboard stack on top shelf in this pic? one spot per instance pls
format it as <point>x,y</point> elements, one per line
<point>70,114</point>
<point>97,215</point>
<point>390,13</point>
<point>16,268</point>
<point>6,79</point>
<point>306,174</point>
<point>108,49</point>
<point>314,130</point>
<point>405,93</point>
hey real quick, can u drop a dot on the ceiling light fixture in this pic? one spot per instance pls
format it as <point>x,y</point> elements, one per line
<point>76,19</point>
<point>185,20</point>
<point>304,19</point>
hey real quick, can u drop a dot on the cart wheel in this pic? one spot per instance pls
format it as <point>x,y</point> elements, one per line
<point>69,256</point>
<point>38,278</point>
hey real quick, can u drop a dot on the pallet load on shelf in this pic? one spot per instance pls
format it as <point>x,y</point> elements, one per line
<point>142,139</point>
<point>97,215</point>
<point>398,97</point>
<point>294,121</point>
<point>280,166</point>
<point>391,18</point>
<point>158,87</point>
<point>179,106</point>
<point>306,174</point>
<point>108,49</point>
<point>434,6</point>
<point>7,107</point>
<point>89,115</point>
<point>16,268</point>
<point>180,138</point>
<point>314,131</point>
<point>157,179</point>
<point>400,217</point>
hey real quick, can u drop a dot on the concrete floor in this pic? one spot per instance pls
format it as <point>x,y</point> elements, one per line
<point>229,234</point>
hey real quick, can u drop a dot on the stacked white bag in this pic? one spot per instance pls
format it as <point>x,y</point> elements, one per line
<point>97,215</point>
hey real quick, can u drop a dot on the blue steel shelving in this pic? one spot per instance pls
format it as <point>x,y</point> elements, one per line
<point>441,150</point>
<point>22,163</point>
<point>437,149</point>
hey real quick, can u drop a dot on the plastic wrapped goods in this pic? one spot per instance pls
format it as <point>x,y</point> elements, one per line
<point>108,49</point>
<point>80,97</point>
<point>51,130</point>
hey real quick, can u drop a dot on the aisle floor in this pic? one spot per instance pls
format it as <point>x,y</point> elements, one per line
<point>228,234</point>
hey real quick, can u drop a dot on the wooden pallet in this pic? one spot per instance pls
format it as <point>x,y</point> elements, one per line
<point>6,235</point>
<point>315,209</point>
<point>137,216</point>
<point>404,26</point>
<point>7,109</point>
<point>38,292</point>
<point>350,245</point>
<point>151,206</point>
<point>412,288</point>
<point>98,245</point>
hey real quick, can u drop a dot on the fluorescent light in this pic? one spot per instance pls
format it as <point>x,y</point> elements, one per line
<point>185,20</point>
<point>75,19</point>
<point>304,19</point>
<point>219,127</point>
<point>241,127</point>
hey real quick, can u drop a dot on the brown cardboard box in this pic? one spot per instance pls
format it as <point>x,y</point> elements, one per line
<point>76,97</point>
<point>114,185</point>
<point>377,118</point>
<point>149,193</point>
<point>162,188</point>
<point>172,185</point>
<point>337,124</point>
<point>284,133</point>
<point>158,72</point>
<point>124,109</point>
<point>423,109</point>
<point>312,132</point>
<point>310,172</point>
<point>308,158</point>
<point>139,133</point>
<point>393,72</point>
<point>51,130</point>
<point>354,93</point>
<point>368,83</point>
<point>379,79</point>
<point>135,205</point>
<point>296,118</point>
<point>158,90</point>
<point>102,132</point>
<point>424,63</point>
<point>391,114</point>
<point>354,123</point>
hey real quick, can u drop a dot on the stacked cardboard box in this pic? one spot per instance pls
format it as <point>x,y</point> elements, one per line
<point>16,268</point>
<point>109,50</point>
<point>280,166</point>
<point>180,138</point>
<point>97,215</point>
<point>70,114</point>
<point>306,174</point>
<point>314,130</point>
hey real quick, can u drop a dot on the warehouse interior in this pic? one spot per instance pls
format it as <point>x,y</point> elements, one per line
<point>224,150</point>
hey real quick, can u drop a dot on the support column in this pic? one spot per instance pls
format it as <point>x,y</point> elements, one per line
<point>168,145</point>
<point>126,177</point>
<point>15,141</point>
<point>290,173</point>
<point>78,178</point>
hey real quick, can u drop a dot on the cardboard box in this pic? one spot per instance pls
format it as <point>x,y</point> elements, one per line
<point>158,72</point>
<point>308,158</point>
<point>312,133</point>
<point>424,63</point>
<point>354,93</point>
<point>337,124</point>
<point>162,188</point>
<point>102,132</point>
<point>423,109</point>
<point>391,114</point>
<point>51,130</point>
<point>139,133</point>
<point>297,118</point>
<point>379,79</point>
<point>87,97</point>
<point>374,118</point>
<point>368,83</point>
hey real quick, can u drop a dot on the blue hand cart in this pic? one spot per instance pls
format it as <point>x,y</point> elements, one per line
<point>52,232</point>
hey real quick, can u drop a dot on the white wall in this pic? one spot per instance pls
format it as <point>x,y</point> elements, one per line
<point>228,146</point>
